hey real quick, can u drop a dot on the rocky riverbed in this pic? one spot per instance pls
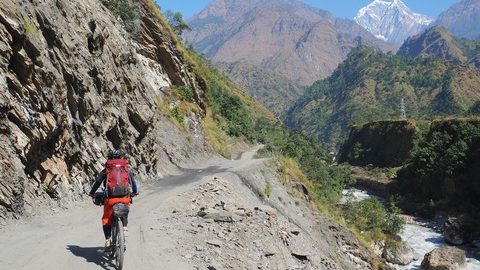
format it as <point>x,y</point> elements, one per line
<point>420,235</point>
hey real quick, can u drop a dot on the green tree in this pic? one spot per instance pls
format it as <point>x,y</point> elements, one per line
<point>177,22</point>
<point>126,11</point>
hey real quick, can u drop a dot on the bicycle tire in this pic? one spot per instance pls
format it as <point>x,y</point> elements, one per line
<point>120,245</point>
<point>113,243</point>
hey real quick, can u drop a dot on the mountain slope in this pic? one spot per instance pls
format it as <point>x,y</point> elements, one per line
<point>370,85</point>
<point>435,42</point>
<point>280,36</point>
<point>262,83</point>
<point>462,19</point>
<point>392,21</point>
<point>439,42</point>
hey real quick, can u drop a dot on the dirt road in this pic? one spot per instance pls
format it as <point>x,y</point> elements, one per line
<point>73,239</point>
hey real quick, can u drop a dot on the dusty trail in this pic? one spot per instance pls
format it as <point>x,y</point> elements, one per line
<point>73,239</point>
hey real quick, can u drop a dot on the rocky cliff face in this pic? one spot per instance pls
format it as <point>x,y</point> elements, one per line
<point>75,84</point>
<point>381,144</point>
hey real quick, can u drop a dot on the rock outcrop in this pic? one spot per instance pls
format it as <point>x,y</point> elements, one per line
<point>461,230</point>
<point>446,258</point>
<point>382,144</point>
<point>73,85</point>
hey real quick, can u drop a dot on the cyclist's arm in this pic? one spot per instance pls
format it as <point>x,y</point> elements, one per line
<point>98,181</point>
<point>134,184</point>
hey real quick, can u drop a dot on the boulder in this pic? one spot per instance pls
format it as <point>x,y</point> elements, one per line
<point>401,254</point>
<point>445,258</point>
<point>455,231</point>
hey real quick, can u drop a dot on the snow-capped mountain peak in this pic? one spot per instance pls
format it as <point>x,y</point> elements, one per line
<point>391,20</point>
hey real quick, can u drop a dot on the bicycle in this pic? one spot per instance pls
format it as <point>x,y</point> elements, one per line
<point>118,245</point>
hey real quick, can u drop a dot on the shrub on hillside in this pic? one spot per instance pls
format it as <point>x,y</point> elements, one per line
<point>370,217</point>
<point>125,10</point>
<point>186,93</point>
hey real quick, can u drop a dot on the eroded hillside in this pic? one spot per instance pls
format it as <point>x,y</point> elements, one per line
<point>75,84</point>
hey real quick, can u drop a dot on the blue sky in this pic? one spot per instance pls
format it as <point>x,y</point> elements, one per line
<point>339,8</point>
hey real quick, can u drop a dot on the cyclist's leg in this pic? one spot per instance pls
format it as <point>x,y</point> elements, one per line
<point>107,231</point>
<point>127,201</point>
<point>107,219</point>
<point>107,222</point>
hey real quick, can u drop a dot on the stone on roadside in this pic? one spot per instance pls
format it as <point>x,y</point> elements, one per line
<point>214,242</point>
<point>267,209</point>
<point>219,215</point>
<point>214,266</point>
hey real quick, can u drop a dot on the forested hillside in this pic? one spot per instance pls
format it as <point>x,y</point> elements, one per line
<point>370,85</point>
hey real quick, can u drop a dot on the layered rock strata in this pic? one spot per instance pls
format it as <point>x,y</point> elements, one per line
<point>73,84</point>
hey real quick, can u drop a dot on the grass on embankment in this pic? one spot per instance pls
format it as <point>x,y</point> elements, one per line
<point>232,115</point>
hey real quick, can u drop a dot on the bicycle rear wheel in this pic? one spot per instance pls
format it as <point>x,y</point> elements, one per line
<point>120,245</point>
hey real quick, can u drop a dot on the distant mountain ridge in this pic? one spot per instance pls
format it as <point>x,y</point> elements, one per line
<point>369,86</point>
<point>262,83</point>
<point>440,43</point>
<point>391,21</point>
<point>462,19</point>
<point>281,35</point>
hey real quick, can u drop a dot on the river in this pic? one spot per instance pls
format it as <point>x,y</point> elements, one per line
<point>420,237</point>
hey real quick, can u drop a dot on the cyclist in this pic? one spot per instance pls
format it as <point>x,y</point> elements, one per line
<point>119,187</point>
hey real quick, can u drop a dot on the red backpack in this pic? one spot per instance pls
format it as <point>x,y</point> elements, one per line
<point>118,178</point>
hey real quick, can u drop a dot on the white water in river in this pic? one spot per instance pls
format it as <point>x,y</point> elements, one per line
<point>421,238</point>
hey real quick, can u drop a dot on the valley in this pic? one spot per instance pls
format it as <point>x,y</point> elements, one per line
<point>244,126</point>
